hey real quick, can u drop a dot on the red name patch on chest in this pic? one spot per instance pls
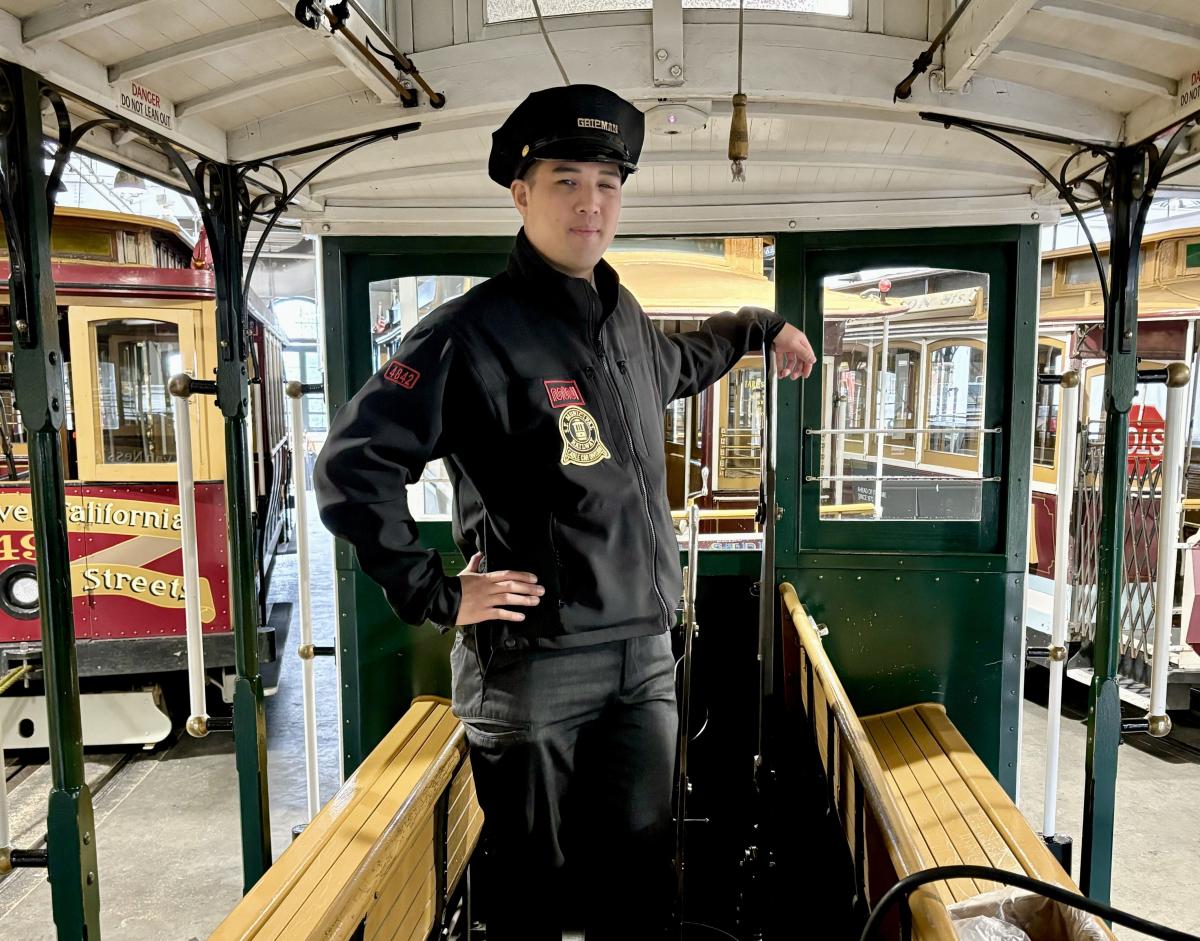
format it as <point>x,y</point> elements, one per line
<point>563,392</point>
<point>404,376</point>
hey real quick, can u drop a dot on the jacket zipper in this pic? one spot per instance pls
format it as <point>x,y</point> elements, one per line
<point>637,466</point>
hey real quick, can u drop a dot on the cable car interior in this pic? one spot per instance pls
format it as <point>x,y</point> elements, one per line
<point>852,632</point>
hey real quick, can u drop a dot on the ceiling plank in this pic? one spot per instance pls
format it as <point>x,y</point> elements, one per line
<point>1068,60</point>
<point>236,91</point>
<point>1128,21</point>
<point>56,23</point>
<point>224,40</point>
<point>977,34</point>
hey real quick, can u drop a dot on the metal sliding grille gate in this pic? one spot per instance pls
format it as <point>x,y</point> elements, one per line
<point>1143,499</point>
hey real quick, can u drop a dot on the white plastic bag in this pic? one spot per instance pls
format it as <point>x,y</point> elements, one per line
<point>1015,915</point>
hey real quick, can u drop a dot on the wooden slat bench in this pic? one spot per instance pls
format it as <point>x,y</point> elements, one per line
<point>909,791</point>
<point>385,854</point>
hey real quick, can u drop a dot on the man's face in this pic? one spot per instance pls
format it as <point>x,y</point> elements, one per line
<point>570,211</point>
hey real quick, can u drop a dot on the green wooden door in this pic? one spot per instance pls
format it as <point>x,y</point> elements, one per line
<point>929,336</point>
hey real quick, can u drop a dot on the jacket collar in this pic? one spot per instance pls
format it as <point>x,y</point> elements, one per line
<point>569,296</point>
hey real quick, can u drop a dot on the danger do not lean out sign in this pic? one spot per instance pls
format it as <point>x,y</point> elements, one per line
<point>149,105</point>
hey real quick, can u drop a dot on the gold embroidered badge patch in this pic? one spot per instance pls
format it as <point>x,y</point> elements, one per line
<point>581,438</point>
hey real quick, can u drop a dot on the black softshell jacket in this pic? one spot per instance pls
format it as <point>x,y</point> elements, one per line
<point>545,398</point>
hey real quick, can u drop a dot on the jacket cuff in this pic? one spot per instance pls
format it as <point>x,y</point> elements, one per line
<point>772,324</point>
<point>445,602</point>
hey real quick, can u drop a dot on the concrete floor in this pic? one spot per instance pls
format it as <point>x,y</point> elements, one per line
<point>1156,850</point>
<point>167,825</point>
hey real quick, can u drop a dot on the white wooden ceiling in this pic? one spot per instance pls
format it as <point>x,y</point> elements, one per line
<point>829,148</point>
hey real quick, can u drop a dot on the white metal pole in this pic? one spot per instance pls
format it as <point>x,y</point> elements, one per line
<point>881,386</point>
<point>839,448</point>
<point>1174,458</point>
<point>5,835</point>
<point>1068,438</point>
<point>180,388</point>
<point>295,392</point>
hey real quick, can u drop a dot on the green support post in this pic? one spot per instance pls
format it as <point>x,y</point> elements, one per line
<point>1129,196</point>
<point>249,717</point>
<point>38,385</point>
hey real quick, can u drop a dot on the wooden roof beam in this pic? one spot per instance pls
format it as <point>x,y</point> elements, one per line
<point>224,40</point>
<point>983,26</point>
<point>236,91</point>
<point>1019,174</point>
<point>758,215</point>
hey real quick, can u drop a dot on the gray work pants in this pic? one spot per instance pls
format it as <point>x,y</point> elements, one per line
<point>573,754</point>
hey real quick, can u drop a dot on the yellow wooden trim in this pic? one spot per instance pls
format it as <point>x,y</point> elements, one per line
<point>84,394</point>
<point>741,513</point>
<point>847,509</point>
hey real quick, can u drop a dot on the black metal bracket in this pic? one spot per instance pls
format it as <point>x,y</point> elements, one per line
<point>223,193</point>
<point>29,859</point>
<point>1135,726</point>
<point>1136,169</point>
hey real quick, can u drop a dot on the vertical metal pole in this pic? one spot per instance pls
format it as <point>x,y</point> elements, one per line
<point>38,380</point>
<point>881,384</point>
<point>1174,458</point>
<point>249,719</point>
<point>1068,437</point>
<point>295,392</point>
<point>1120,380</point>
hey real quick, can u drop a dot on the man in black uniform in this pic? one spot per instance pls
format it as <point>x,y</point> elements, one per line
<point>543,390</point>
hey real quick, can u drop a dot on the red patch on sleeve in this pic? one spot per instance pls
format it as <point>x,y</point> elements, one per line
<point>404,376</point>
<point>563,392</point>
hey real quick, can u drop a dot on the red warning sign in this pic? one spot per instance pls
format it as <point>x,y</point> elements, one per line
<point>1147,438</point>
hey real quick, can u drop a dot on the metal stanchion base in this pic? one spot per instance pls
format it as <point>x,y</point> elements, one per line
<point>297,830</point>
<point>1060,848</point>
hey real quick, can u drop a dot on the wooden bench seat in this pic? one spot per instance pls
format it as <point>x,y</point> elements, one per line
<point>909,791</point>
<point>385,854</point>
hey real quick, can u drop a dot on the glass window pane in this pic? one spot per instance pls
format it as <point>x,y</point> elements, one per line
<point>397,305</point>
<point>1045,416</point>
<point>908,347</point>
<point>135,359</point>
<point>739,453</point>
<point>503,11</point>
<point>825,7</point>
